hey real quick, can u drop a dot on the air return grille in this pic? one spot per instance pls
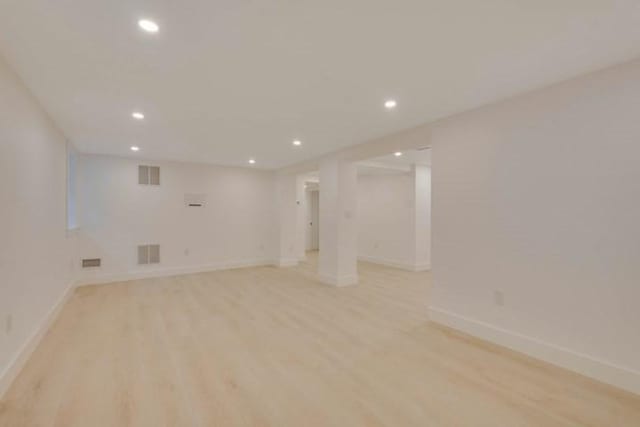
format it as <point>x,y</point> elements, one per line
<point>91,262</point>
<point>148,175</point>
<point>148,254</point>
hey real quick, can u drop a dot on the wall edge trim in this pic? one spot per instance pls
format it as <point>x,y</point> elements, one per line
<point>22,356</point>
<point>172,271</point>
<point>395,264</point>
<point>600,370</point>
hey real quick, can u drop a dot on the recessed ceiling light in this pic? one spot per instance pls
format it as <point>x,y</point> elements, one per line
<point>297,142</point>
<point>397,154</point>
<point>137,115</point>
<point>252,161</point>
<point>134,148</point>
<point>148,25</point>
<point>390,104</point>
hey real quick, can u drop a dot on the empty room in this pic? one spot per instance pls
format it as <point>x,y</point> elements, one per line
<point>331,213</point>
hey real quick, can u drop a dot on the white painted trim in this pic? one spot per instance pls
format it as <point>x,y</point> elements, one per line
<point>395,264</point>
<point>422,267</point>
<point>286,262</point>
<point>22,356</point>
<point>173,271</point>
<point>341,281</point>
<point>618,376</point>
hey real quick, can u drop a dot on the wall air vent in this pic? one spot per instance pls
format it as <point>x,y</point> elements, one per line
<point>148,254</point>
<point>91,262</point>
<point>195,200</point>
<point>148,175</point>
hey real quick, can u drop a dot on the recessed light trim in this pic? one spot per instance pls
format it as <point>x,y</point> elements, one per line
<point>148,25</point>
<point>135,148</point>
<point>252,161</point>
<point>137,115</point>
<point>297,142</point>
<point>390,104</point>
<point>397,153</point>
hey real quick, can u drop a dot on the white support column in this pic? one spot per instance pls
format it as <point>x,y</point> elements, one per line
<point>287,208</point>
<point>421,213</point>
<point>338,257</point>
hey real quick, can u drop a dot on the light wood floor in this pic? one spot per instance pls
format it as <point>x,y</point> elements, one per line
<point>273,347</point>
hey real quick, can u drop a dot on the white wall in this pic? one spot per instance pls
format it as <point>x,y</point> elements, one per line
<point>539,198</point>
<point>385,220</point>
<point>237,227</point>
<point>394,218</point>
<point>35,263</point>
<point>421,175</point>
<point>301,218</point>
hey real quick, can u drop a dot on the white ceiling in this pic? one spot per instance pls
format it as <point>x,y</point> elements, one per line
<point>227,80</point>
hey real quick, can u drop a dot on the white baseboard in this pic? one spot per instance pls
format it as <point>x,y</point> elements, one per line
<point>422,267</point>
<point>286,262</point>
<point>15,366</point>
<point>341,281</point>
<point>618,376</point>
<point>171,271</point>
<point>395,264</point>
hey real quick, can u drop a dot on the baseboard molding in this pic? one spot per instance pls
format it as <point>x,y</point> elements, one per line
<point>173,271</point>
<point>394,264</point>
<point>15,366</point>
<point>341,281</point>
<point>621,377</point>
<point>286,262</point>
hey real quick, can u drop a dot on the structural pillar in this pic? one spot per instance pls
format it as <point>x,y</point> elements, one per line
<point>338,258</point>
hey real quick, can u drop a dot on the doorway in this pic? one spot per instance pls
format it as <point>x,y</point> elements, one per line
<point>313,220</point>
